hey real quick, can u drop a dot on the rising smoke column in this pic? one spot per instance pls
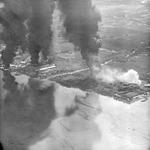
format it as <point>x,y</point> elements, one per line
<point>12,16</point>
<point>38,15</point>
<point>81,24</point>
<point>40,33</point>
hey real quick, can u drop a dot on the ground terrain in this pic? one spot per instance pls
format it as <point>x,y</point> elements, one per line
<point>110,116</point>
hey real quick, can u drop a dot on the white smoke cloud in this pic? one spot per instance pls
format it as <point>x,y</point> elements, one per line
<point>110,75</point>
<point>2,5</point>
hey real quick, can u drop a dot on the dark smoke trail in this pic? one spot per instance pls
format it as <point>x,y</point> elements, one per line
<point>40,33</point>
<point>1,146</point>
<point>39,16</point>
<point>14,30</point>
<point>81,23</point>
